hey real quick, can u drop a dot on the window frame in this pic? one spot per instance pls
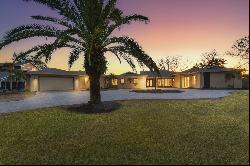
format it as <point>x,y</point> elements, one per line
<point>135,82</point>
<point>114,82</point>
<point>122,80</point>
<point>149,81</point>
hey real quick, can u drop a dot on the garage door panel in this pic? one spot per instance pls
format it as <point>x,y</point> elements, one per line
<point>56,84</point>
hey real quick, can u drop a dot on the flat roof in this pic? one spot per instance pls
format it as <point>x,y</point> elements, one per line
<point>57,72</point>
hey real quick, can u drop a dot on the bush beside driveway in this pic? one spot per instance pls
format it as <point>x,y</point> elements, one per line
<point>15,96</point>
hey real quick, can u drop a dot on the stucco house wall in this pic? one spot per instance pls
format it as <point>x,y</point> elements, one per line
<point>33,85</point>
<point>198,83</point>
<point>238,83</point>
<point>218,80</point>
<point>77,83</point>
<point>177,80</point>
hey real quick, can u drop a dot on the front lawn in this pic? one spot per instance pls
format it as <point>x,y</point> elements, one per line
<point>140,132</point>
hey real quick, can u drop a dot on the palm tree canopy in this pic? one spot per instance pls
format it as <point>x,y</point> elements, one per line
<point>86,27</point>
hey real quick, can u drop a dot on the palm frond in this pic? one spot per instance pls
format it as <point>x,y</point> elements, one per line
<point>126,20</point>
<point>129,46</point>
<point>53,20</point>
<point>74,56</point>
<point>28,31</point>
<point>64,8</point>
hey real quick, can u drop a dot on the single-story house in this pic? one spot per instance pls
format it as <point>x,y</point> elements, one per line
<point>20,66</point>
<point>205,78</point>
<point>60,80</point>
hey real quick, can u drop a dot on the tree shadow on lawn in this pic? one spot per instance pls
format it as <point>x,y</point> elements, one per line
<point>104,107</point>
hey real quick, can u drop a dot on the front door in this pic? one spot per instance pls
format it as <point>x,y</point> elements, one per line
<point>206,80</point>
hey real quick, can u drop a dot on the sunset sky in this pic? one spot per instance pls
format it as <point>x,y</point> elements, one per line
<point>185,28</point>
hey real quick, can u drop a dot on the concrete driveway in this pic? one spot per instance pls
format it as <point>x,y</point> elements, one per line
<point>51,99</point>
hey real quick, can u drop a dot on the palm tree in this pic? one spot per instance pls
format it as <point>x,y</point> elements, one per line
<point>10,69</point>
<point>86,27</point>
<point>14,74</point>
<point>19,75</point>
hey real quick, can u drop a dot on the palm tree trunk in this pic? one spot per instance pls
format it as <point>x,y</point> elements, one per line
<point>155,83</point>
<point>95,89</point>
<point>16,84</point>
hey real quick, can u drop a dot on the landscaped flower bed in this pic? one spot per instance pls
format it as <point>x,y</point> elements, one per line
<point>15,96</point>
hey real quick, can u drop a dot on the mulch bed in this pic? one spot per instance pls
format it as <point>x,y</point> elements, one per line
<point>157,91</point>
<point>104,107</point>
<point>14,96</point>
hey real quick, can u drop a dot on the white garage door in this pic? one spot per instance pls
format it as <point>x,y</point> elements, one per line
<point>56,84</point>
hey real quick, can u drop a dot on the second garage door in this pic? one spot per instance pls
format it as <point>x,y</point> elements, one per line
<point>56,84</point>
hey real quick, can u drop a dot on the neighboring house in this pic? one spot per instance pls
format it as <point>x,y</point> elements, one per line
<point>3,79</point>
<point>4,74</point>
<point>21,66</point>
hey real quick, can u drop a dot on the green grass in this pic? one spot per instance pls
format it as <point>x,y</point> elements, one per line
<point>140,132</point>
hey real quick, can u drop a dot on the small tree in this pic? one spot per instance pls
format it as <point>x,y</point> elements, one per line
<point>19,75</point>
<point>211,59</point>
<point>10,69</point>
<point>169,63</point>
<point>241,49</point>
<point>14,74</point>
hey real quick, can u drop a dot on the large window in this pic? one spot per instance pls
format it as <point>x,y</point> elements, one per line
<point>122,81</point>
<point>194,80</point>
<point>135,81</point>
<point>114,82</point>
<point>186,82</point>
<point>165,82</point>
<point>149,83</point>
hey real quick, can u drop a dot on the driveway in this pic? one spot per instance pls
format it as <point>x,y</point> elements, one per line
<point>51,99</point>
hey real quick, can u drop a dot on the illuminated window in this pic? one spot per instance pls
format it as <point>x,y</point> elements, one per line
<point>114,82</point>
<point>194,80</point>
<point>122,81</point>
<point>186,82</point>
<point>160,82</point>
<point>168,82</point>
<point>135,81</point>
<point>165,82</point>
<point>149,83</point>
